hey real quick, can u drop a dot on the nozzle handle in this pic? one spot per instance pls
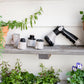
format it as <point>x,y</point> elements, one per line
<point>69,36</point>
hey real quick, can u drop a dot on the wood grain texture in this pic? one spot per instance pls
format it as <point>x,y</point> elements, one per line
<point>56,50</point>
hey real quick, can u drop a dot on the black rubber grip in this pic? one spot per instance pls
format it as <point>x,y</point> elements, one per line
<point>70,34</point>
<point>67,35</point>
<point>56,30</point>
<point>49,41</point>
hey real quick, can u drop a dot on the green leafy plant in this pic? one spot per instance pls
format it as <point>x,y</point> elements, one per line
<point>48,76</point>
<point>1,39</point>
<point>11,76</point>
<point>1,35</point>
<point>24,24</point>
<point>2,23</point>
<point>28,78</point>
<point>82,13</point>
<point>15,76</point>
<point>76,77</point>
<point>18,24</point>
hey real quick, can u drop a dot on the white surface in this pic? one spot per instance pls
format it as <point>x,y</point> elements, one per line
<point>64,12</point>
<point>25,0</point>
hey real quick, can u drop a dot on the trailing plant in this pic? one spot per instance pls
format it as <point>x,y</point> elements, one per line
<point>48,76</point>
<point>76,76</point>
<point>82,13</point>
<point>24,24</point>
<point>18,24</point>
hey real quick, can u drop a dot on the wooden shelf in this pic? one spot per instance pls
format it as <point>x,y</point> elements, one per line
<point>56,50</point>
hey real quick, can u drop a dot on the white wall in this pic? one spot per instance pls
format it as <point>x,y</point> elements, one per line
<point>32,62</point>
<point>56,12</point>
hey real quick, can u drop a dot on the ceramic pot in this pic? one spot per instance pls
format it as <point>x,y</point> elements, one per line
<point>22,44</point>
<point>31,41</point>
<point>39,44</point>
<point>5,31</point>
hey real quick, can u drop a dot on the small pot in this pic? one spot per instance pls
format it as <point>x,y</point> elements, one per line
<point>22,44</point>
<point>39,44</point>
<point>31,41</point>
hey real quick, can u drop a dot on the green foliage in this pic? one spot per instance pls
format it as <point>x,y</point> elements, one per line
<point>18,24</point>
<point>10,76</point>
<point>34,17</point>
<point>2,23</point>
<point>48,76</point>
<point>1,35</point>
<point>16,76</point>
<point>76,77</point>
<point>24,24</point>
<point>82,13</point>
<point>1,39</point>
<point>28,78</point>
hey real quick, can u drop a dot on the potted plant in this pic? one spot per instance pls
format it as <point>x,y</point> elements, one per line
<point>48,76</point>
<point>3,32</point>
<point>76,76</point>
<point>4,26</point>
<point>82,13</point>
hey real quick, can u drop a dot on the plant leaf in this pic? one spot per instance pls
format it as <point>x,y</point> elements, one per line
<point>36,17</point>
<point>34,22</point>
<point>81,12</point>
